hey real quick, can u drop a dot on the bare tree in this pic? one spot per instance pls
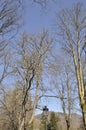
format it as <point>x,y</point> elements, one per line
<point>32,52</point>
<point>9,18</point>
<point>11,107</point>
<point>9,21</point>
<point>43,3</point>
<point>71,29</point>
<point>63,87</point>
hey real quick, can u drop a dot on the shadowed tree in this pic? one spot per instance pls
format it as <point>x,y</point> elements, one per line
<point>53,121</point>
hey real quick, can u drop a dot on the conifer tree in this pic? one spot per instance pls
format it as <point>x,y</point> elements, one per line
<point>43,122</point>
<point>53,122</point>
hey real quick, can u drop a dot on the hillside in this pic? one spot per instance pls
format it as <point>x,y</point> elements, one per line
<point>76,121</point>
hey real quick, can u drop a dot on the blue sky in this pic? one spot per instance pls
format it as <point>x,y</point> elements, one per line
<point>36,19</point>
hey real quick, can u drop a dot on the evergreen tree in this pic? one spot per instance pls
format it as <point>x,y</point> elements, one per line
<point>43,123</point>
<point>53,122</point>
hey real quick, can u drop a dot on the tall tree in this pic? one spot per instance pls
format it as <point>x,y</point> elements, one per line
<point>32,52</point>
<point>9,24</point>
<point>72,28</point>
<point>63,87</point>
<point>9,21</point>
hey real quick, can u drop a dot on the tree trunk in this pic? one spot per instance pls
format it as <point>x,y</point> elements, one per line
<point>68,124</point>
<point>84,119</point>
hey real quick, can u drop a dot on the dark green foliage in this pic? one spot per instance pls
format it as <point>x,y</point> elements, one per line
<point>53,121</point>
<point>49,126</point>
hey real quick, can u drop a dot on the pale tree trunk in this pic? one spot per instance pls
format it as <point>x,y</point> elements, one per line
<point>72,24</point>
<point>22,118</point>
<point>35,104</point>
<point>80,82</point>
<point>79,73</point>
<point>37,90</point>
<point>21,125</point>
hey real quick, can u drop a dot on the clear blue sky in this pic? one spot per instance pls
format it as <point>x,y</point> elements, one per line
<point>35,19</point>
